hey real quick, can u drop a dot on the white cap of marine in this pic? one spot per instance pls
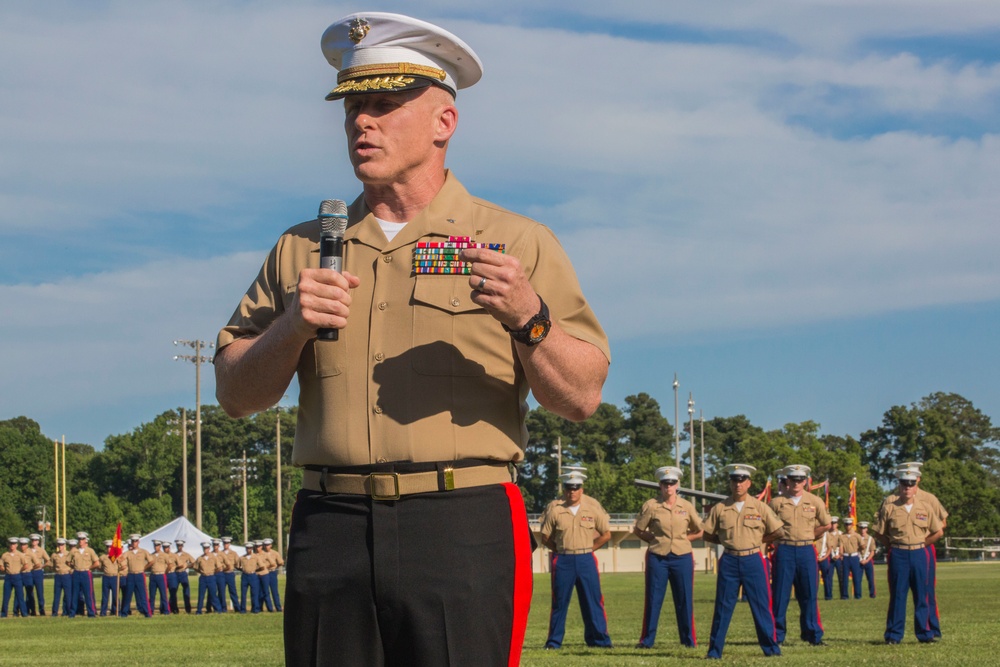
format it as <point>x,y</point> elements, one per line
<point>668,472</point>
<point>574,477</point>
<point>734,469</point>
<point>381,52</point>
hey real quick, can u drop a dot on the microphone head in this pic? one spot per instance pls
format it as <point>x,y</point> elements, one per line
<point>333,217</point>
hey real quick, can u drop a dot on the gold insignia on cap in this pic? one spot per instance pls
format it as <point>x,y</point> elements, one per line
<point>359,29</point>
<point>377,83</point>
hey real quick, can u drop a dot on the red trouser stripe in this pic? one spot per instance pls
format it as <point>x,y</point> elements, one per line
<point>694,633</point>
<point>522,572</point>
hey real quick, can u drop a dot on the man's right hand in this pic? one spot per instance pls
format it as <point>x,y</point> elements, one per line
<point>322,300</point>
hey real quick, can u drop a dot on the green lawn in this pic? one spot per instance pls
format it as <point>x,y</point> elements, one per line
<point>969,599</point>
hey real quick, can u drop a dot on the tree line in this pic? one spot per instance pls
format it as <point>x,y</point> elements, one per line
<point>136,477</point>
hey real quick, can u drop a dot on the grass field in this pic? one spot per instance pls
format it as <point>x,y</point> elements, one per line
<point>968,594</point>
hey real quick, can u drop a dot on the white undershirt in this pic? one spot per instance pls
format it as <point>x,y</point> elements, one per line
<point>796,500</point>
<point>574,508</point>
<point>908,508</point>
<point>739,504</point>
<point>390,229</point>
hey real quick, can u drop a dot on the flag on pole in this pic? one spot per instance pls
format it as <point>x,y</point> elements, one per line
<point>826,490</point>
<point>765,495</point>
<point>116,544</point>
<point>854,500</point>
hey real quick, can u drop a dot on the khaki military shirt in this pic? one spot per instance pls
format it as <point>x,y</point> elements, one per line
<point>867,547</point>
<point>231,558</point>
<point>575,533</point>
<point>39,558</point>
<point>171,561</point>
<point>84,560</point>
<point>741,530</point>
<point>159,563</point>
<point>833,538</point>
<point>907,528</point>
<point>822,546</point>
<point>206,564</point>
<point>802,519</point>
<point>262,563</point>
<point>669,525</point>
<point>110,568</point>
<point>60,563</point>
<point>850,544</point>
<point>927,497</point>
<point>248,563</point>
<point>137,560</point>
<point>183,561</point>
<point>274,560</point>
<point>14,562</point>
<point>420,373</point>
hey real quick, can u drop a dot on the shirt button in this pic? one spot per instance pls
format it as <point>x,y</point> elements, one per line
<point>379,356</point>
<point>455,302</point>
<point>381,459</point>
<point>387,258</point>
<point>377,409</point>
<point>382,305</point>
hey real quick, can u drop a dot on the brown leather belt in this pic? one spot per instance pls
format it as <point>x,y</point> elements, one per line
<point>393,485</point>
<point>907,547</point>
<point>796,543</point>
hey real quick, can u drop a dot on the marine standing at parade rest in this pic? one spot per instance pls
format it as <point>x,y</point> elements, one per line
<point>668,524</point>
<point>835,542</point>
<point>26,578</point>
<point>742,525</point>
<point>62,584</point>
<point>573,527</point>
<point>410,420</point>
<point>84,561</point>
<point>158,578</point>
<point>263,571</point>
<point>12,564</point>
<point>171,575</point>
<point>942,514</point>
<point>220,575</point>
<point>137,560</point>
<point>184,561</point>
<point>110,581</point>
<point>850,549</point>
<point>274,562</point>
<point>822,548</point>
<point>230,558</point>
<point>794,562</point>
<point>249,580</point>
<point>906,525</point>
<point>40,560</point>
<point>206,566</point>
<point>868,545</point>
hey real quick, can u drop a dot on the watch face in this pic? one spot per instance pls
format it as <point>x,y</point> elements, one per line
<point>539,330</point>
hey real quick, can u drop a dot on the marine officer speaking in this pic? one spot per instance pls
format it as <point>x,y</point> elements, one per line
<point>573,527</point>
<point>668,524</point>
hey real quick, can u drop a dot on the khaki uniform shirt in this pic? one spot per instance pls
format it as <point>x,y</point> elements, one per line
<point>171,561</point>
<point>867,547</point>
<point>110,568</point>
<point>800,520</point>
<point>850,544</point>
<point>60,563</point>
<point>577,532</point>
<point>274,560</point>
<point>160,563</point>
<point>741,530</point>
<point>822,546</point>
<point>83,560</point>
<point>248,563</point>
<point>833,538</point>
<point>262,563</point>
<point>206,564</point>
<point>183,561</point>
<point>14,562</point>
<point>904,527</point>
<point>39,558</point>
<point>421,373</point>
<point>231,558</point>
<point>137,560</point>
<point>669,525</point>
<point>928,497</point>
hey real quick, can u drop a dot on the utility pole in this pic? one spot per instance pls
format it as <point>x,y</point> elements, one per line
<point>677,427</point>
<point>277,456</point>
<point>242,469</point>
<point>197,359</point>
<point>691,449</point>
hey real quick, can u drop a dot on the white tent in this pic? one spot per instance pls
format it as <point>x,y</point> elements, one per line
<point>179,529</point>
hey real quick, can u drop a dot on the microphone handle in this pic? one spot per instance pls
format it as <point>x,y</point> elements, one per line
<point>331,256</point>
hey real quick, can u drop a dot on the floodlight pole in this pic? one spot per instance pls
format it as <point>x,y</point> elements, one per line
<point>197,359</point>
<point>677,427</point>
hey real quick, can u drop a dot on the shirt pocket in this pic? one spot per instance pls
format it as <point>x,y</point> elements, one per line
<point>452,335</point>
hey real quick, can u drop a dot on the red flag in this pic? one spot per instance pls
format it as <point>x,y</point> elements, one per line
<point>765,495</point>
<point>116,544</point>
<point>854,500</point>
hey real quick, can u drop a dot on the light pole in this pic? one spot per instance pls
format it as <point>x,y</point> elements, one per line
<point>242,469</point>
<point>184,459</point>
<point>197,359</point>
<point>702,415</point>
<point>691,431</point>
<point>277,456</point>
<point>677,427</point>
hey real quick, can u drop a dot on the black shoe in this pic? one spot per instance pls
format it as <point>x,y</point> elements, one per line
<point>891,641</point>
<point>641,645</point>
<point>932,640</point>
<point>819,643</point>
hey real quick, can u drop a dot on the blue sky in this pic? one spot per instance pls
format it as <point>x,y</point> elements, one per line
<point>792,205</point>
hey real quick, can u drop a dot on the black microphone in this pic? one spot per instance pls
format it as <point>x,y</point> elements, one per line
<point>333,223</point>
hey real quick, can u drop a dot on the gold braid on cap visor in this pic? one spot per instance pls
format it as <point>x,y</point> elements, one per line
<point>386,69</point>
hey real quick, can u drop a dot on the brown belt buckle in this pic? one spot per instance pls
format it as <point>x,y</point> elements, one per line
<point>394,476</point>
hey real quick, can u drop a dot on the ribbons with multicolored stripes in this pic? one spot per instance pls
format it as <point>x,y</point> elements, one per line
<point>441,257</point>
